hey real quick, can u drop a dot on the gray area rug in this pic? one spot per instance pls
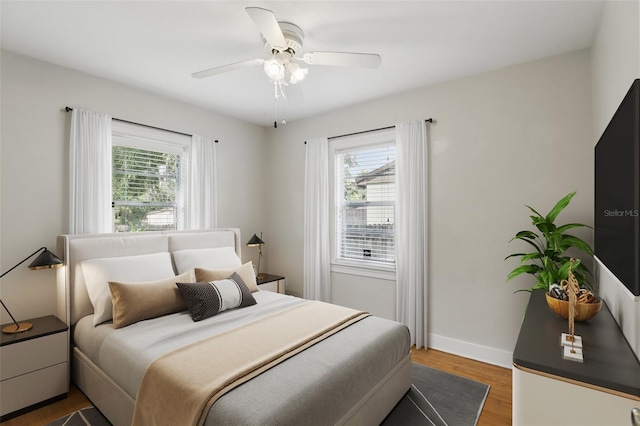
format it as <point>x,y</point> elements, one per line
<point>88,416</point>
<point>436,398</point>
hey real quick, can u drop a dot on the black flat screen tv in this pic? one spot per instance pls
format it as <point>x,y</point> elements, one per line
<point>617,193</point>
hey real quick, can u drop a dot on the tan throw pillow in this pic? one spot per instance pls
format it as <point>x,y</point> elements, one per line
<point>245,271</point>
<point>137,301</point>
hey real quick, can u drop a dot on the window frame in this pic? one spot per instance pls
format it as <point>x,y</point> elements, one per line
<point>340,145</point>
<point>138,136</point>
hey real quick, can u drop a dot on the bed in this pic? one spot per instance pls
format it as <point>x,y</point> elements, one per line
<point>353,375</point>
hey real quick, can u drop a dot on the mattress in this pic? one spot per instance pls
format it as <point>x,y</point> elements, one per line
<point>335,373</point>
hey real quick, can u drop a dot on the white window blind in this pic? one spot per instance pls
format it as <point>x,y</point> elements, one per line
<point>365,190</point>
<point>148,169</point>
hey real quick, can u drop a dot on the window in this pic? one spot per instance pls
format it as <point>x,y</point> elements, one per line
<point>364,193</point>
<point>147,178</point>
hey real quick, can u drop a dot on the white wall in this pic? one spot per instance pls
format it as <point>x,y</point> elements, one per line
<point>516,136</point>
<point>521,135</point>
<point>616,63</point>
<point>34,162</point>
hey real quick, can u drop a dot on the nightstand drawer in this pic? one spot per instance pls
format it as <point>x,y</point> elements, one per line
<point>32,388</point>
<point>269,282</point>
<point>30,355</point>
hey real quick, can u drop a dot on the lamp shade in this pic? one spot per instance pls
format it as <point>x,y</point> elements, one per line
<point>255,241</point>
<point>46,260</point>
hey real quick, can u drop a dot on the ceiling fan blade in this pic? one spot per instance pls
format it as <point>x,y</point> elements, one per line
<point>268,26</point>
<point>226,68</point>
<point>293,93</point>
<point>342,59</point>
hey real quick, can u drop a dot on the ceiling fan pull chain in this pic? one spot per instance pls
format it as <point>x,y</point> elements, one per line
<point>275,105</point>
<point>284,95</point>
<point>284,121</point>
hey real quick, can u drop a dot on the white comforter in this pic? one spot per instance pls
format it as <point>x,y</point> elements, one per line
<point>124,354</point>
<point>316,387</point>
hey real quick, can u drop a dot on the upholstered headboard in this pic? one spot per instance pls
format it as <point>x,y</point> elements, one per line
<point>78,248</point>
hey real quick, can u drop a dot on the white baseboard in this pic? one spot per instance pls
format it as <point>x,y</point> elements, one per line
<point>472,351</point>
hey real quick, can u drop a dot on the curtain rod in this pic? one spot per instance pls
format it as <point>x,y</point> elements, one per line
<point>428,120</point>
<point>67,109</point>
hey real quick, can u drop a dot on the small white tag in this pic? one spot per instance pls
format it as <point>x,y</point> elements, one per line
<point>572,354</point>
<point>564,340</point>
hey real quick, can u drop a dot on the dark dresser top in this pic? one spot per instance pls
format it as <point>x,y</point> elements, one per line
<point>608,361</point>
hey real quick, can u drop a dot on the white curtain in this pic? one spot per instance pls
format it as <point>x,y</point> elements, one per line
<point>89,173</point>
<point>411,229</point>
<point>201,201</point>
<point>316,275</point>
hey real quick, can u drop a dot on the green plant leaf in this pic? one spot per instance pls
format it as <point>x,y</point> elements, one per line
<point>560,205</point>
<point>528,237</point>
<point>551,254</point>
<point>544,276</point>
<point>563,228</point>
<point>563,271</point>
<point>533,244</point>
<point>515,254</point>
<point>534,210</point>
<point>540,286</point>
<point>530,256</point>
<point>524,269</point>
<point>535,219</point>
<point>571,241</point>
<point>583,268</point>
<point>547,228</point>
<point>525,234</point>
<point>556,243</point>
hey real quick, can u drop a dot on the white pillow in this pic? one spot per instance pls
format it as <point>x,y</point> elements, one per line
<point>98,272</point>
<point>209,258</point>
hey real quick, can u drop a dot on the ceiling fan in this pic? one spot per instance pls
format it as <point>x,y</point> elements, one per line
<point>283,41</point>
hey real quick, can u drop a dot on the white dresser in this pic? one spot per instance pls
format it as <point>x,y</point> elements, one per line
<point>549,390</point>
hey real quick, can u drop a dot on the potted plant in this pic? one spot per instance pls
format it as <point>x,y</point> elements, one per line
<point>549,262</point>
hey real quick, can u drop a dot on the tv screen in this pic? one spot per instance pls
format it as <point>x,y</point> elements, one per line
<point>617,193</point>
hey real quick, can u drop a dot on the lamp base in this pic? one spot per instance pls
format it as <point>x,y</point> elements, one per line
<point>22,327</point>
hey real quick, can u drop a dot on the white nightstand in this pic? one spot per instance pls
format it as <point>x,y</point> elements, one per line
<point>268,282</point>
<point>34,366</point>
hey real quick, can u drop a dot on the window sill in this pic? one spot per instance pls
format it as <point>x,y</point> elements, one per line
<point>370,271</point>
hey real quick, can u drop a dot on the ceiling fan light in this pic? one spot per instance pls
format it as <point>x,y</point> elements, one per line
<point>297,73</point>
<point>274,69</point>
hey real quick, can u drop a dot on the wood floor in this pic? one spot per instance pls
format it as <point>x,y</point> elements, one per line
<point>496,411</point>
<point>497,407</point>
<point>75,400</point>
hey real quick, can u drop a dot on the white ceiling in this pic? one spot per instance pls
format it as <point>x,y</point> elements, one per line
<point>157,45</point>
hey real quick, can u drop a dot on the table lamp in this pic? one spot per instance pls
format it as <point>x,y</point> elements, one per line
<point>257,242</point>
<point>45,260</point>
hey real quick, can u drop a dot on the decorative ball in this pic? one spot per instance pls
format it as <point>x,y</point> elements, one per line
<point>558,292</point>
